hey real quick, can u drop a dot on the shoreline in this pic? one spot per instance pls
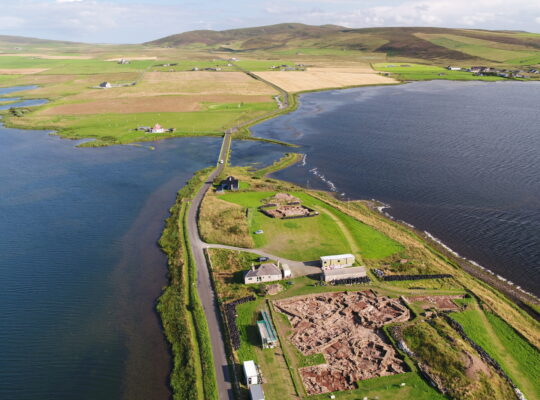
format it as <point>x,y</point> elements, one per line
<point>521,297</point>
<point>478,271</point>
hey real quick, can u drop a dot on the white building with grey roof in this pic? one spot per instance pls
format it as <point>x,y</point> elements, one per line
<point>267,272</point>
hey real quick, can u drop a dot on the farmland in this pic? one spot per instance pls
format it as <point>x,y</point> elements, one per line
<point>324,78</point>
<point>192,82</point>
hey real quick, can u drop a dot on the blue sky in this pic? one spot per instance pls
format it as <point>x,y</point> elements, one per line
<point>136,21</point>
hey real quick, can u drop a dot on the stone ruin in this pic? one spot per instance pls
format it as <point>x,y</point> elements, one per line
<point>286,211</point>
<point>345,328</point>
<point>285,205</point>
<point>440,302</point>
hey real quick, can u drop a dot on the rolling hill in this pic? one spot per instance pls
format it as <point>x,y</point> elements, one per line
<point>474,45</point>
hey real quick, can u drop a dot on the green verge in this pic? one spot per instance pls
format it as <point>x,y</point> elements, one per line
<point>517,357</point>
<point>286,161</point>
<point>180,309</point>
<point>201,326</point>
<point>419,72</point>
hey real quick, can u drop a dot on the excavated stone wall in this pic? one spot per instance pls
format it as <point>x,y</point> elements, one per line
<point>345,328</point>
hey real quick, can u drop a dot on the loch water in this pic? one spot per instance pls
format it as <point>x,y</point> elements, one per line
<point>460,160</point>
<point>80,269</point>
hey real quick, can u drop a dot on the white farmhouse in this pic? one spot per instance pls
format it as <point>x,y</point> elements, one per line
<point>267,272</point>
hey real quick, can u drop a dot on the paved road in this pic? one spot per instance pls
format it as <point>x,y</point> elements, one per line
<point>204,284</point>
<point>298,268</point>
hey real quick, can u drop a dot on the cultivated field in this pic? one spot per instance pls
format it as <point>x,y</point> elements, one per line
<point>21,71</point>
<point>324,78</point>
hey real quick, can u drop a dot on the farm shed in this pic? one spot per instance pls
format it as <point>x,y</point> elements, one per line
<point>337,261</point>
<point>286,271</point>
<point>256,392</point>
<point>251,373</point>
<point>266,331</point>
<point>343,273</point>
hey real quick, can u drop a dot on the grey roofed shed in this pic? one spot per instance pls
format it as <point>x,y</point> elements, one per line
<point>343,273</point>
<point>256,392</point>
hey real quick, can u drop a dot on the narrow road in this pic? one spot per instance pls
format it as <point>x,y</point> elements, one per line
<point>204,284</point>
<point>298,268</point>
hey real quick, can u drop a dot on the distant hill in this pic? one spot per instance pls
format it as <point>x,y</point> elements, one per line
<point>21,40</point>
<point>413,42</point>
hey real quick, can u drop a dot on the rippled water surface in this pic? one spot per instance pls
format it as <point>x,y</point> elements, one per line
<point>79,266</point>
<point>461,160</point>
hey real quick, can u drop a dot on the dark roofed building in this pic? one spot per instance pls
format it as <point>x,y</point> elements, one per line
<point>230,183</point>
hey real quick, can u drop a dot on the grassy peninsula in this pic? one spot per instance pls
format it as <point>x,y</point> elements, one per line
<point>495,323</point>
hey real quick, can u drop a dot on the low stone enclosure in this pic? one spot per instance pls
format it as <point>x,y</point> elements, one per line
<point>345,328</point>
<point>444,302</point>
<point>286,206</point>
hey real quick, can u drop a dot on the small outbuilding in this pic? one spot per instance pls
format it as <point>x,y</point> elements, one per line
<point>343,273</point>
<point>157,128</point>
<point>267,332</point>
<point>286,271</point>
<point>267,272</point>
<point>337,261</point>
<point>256,392</point>
<point>250,372</point>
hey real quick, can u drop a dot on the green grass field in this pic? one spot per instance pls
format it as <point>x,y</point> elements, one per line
<point>119,128</point>
<point>419,72</point>
<point>331,232</point>
<point>389,388</point>
<point>81,67</point>
<point>519,359</point>
<point>278,383</point>
<point>480,48</point>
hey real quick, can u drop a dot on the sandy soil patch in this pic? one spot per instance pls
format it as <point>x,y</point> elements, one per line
<point>133,58</point>
<point>345,328</point>
<point>47,56</point>
<point>323,78</point>
<point>22,71</point>
<point>131,105</point>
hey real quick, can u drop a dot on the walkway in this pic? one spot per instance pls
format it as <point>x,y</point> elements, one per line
<point>298,268</point>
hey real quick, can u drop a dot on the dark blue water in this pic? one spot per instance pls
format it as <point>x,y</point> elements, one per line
<point>460,160</point>
<point>23,103</point>
<point>79,266</point>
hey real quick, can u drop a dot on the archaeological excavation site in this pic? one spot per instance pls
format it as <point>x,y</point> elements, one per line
<point>345,327</point>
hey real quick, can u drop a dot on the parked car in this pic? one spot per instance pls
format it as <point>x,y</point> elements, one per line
<point>260,231</point>
<point>261,259</point>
